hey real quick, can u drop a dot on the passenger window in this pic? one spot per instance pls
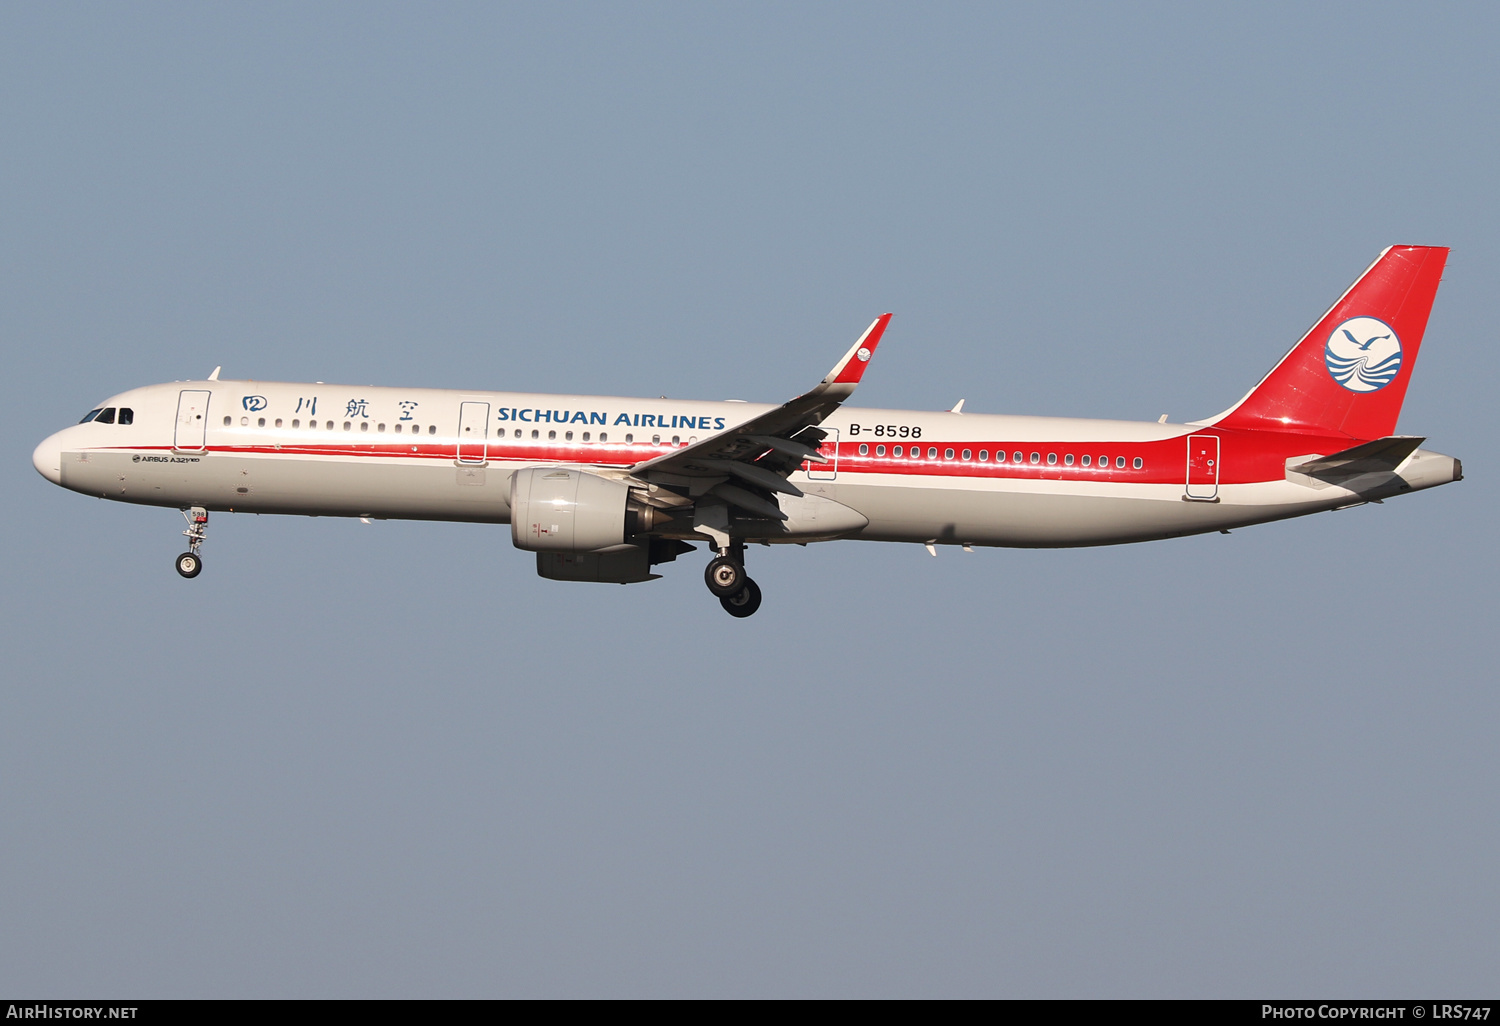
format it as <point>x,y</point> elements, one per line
<point>381,428</point>
<point>296,423</point>
<point>984,455</point>
<point>1137,464</point>
<point>567,436</point>
<point>1103,462</point>
<point>895,450</point>
<point>1086,460</point>
<point>630,439</point>
<point>604,436</point>
<point>348,425</point>
<point>864,450</point>
<point>432,429</point>
<point>916,452</point>
<point>968,455</point>
<point>1052,459</point>
<point>278,423</point>
<point>1016,457</point>
<point>535,433</point>
<point>127,415</point>
<point>1120,462</point>
<point>880,450</point>
<point>364,425</point>
<point>95,412</point>
<point>947,454</point>
<point>1036,457</point>
<point>1068,459</point>
<point>551,436</point>
<point>656,439</point>
<point>676,439</point>
<point>261,422</point>
<point>585,436</point>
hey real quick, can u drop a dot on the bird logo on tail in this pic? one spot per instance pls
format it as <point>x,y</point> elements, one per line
<point>1363,354</point>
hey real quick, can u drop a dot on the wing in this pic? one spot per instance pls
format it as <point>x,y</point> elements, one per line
<point>746,464</point>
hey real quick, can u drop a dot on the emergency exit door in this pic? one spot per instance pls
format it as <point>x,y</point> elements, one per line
<point>830,448</point>
<point>473,432</point>
<point>192,421</point>
<point>1203,467</point>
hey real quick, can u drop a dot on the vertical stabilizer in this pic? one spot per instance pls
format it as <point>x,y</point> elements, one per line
<point>1348,375</point>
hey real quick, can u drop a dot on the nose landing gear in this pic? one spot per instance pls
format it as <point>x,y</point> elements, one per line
<point>726,578</point>
<point>190,563</point>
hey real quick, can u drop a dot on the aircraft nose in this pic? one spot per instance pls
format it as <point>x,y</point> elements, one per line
<point>47,459</point>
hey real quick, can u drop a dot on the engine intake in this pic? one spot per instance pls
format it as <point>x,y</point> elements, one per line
<point>553,509</point>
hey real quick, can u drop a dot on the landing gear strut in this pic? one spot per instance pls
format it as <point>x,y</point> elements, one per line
<point>726,578</point>
<point>190,563</point>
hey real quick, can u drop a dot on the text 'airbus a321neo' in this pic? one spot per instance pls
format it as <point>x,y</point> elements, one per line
<point>603,488</point>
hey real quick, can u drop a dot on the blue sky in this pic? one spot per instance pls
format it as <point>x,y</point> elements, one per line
<point>388,760</point>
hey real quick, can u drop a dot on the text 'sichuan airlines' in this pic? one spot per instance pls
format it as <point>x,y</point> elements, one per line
<point>603,488</point>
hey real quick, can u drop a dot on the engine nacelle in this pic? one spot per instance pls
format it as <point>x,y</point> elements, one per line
<point>558,509</point>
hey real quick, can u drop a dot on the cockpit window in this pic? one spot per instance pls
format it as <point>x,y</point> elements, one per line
<point>127,415</point>
<point>107,417</point>
<point>90,415</point>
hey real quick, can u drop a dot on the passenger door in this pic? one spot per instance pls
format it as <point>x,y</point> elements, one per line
<point>192,421</point>
<point>1203,467</point>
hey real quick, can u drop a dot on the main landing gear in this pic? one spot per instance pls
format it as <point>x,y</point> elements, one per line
<point>726,578</point>
<point>190,563</point>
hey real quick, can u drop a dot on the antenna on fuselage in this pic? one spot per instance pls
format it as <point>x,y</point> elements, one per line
<point>215,375</point>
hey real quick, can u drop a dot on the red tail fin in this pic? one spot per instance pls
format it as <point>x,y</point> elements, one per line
<point>1348,375</point>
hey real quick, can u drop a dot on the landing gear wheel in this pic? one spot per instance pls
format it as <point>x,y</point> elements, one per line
<point>725,576</point>
<point>744,602</point>
<point>189,564</point>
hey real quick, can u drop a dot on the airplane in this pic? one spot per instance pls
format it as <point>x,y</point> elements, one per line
<point>605,488</point>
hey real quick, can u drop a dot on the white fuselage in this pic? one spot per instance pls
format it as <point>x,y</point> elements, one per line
<point>333,450</point>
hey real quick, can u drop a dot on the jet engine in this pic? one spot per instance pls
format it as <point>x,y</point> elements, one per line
<point>558,509</point>
<point>577,523</point>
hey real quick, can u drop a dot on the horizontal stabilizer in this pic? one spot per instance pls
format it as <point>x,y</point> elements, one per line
<point>1381,456</point>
